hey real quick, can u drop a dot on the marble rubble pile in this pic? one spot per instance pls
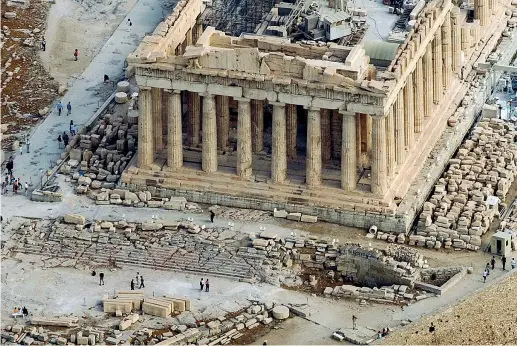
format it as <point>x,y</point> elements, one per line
<point>458,212</point>
<point>386,294</point>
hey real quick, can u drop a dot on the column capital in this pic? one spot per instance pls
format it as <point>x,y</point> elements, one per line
<point>206,94</point>
<point>278,104</point>
<point>242,99</point>
<point>174,91</point>
<point>345,112</point>
<point>146,88</point>
<point>310,108</point>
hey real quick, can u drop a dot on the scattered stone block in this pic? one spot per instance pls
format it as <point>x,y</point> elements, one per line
<point>75,219</point>
<point>309,218</point>
<point>294,216</point>
<point>280,312</point>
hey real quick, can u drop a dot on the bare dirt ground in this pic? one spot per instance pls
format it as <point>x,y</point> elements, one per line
<point>487,317</point>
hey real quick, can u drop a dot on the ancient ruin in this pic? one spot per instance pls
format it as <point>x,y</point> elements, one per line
<point>349,134</point>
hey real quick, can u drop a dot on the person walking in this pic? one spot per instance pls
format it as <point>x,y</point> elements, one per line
<point>65,139</point>
<point>503,260</point>
<point>129,25</point>
<point>487,268</point>
<point>132,284</point>
<point>264,343</point>
<point>513,263</point>
<point>4,187</point>
<point>10,165</point>
<point>21,149</point>
<point>137,279</point>
<point>485,274</point>
<point>27,143</point>
<point>354,322</point>
<point>141,282</point>
<point>101,279</point>
<point>59,141</point>
<point>68,109</point>
<point>201,285</point>
<point>76,54</point>
<point>207,286</point>
<point>74,129</point>
<point>71,124</point>
<point>492,262</point>
<point>43,44</point>
<point>212,215</point>
<point>26,188</point>
<point>106,79</point>
<point>59,108</point>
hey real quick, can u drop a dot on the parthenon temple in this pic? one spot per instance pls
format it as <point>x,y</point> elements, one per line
<point>260,121</point>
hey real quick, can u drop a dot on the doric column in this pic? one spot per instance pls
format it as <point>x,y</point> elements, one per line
<point>418,86</point>
<point>313,169</point>
<point>292,130</point>
<point>349,152</point>
<point>257,125</point>
<point>390,142</point>
<point>428,81</point>
<point>145,128</point>
<point>456,40</point>
<point>189,37</point>
<point>209,160</point>
<point>174,129</point>
<point>400,148</point>
<point>379,174</point>
<point>193,118</point>
<point>336,129</point>
<point>466,41</point>
<point>244,154</point>
<point>437,68</point>
<point>481,12</point>
<point>278,146</point>
<point>223,121</point>
<point>326,141</point>
<point>156,95</point>
<point>447,51</point>
<point>492,5</point>
<point>409,113</point>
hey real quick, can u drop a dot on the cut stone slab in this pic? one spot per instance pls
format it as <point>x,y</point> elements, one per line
<point>75,219</point>
<point>280,312</point>
<point>294,216</point>
<point>309,218</point>
<point>268,235</point>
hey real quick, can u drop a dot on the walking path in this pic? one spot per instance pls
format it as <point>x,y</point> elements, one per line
<point>88,92</point>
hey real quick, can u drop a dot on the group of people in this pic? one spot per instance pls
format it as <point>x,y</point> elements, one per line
<point>205,285</point>
<point>11,180</point>
<point>23,310</point>
<point>60,108</point>
<point>138,281</point>
<point>492,262</point>
<point>63,138</point>
<point>383,333</point>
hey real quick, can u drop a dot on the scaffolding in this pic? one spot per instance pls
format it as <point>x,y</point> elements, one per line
<point>235,17</point>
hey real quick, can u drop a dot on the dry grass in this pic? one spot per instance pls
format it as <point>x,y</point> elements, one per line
<point>487,317</point>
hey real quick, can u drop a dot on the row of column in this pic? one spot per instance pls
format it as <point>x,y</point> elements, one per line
<point>250,113</point>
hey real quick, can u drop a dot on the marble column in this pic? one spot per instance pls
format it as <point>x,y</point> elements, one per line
<point>437,68</point>
<point>326,140</point>
<point>456,40</point>
<point>390,142</point>
<point>492,6</point>
<point>209,160</point>
<point>313,171</point>
<point>336,134</point>
<point>223,121</point>
<point>292,130</point>
<point>466,41</point>
<point>481,12</point>
<point>257,125</point>
<point>145,128</point>
<point>349,151</point>
<point>278,145</point>
<point>400,149</point>
<point>193,118</point>
<point>174,130</point>
<point>379,182</point>
<point>427,61</point>
<point>156,95</point>
<point>409,113</point>
<point>418,87</point>
<point>447,52</point>
<point>189,37</point>
<point>244,153</point>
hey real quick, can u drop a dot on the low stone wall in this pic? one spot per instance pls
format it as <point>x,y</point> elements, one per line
<point>445,279</point>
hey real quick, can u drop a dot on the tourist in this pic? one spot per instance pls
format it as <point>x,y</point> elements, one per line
<point>101,279</point>
<point>106,79</point>
<point>25,311</point>
<point>21,149</point>
<point>207,286</point>
<point>129,25</point>
<point>15,186</point>
<point>379,335</point>
<point>492,262</point>
<point>485,274</point>
<point>354,322</point>
<point>487,268</point>
<point>43,44</point>
<point>59,140</point>
<point>432,328</point>
<point>68,109</point>
<point>16,310</point>
<point>264,343</point>
<point>65,139</point>
<point>212,215</point>
<point>141,282</point>
<point>503,260</point>
<point>71,125</point>
<point>132,284</point>
<point>74,129</point>
<point>4,187</point>
<point>513,263</point>
<point>201,285</point>
<point>10,165</point>
<point>462,72</point>
<point>59,108</point>
<point>26,188</point>
<point>27,143</point>
<point>76,54</point>
<point>137,279</point>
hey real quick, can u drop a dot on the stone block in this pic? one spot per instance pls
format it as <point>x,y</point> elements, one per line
<point>280,312</point>
<point>151,226</point>
<point>294,216</point>
<point>125,324</point>
<point>309,218</point>
<point>75,219</point>
<point>112,341</point>
<point>82,340</point>
<point>280,213</point>
<point>175,203</point>
<point>268,235</point>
